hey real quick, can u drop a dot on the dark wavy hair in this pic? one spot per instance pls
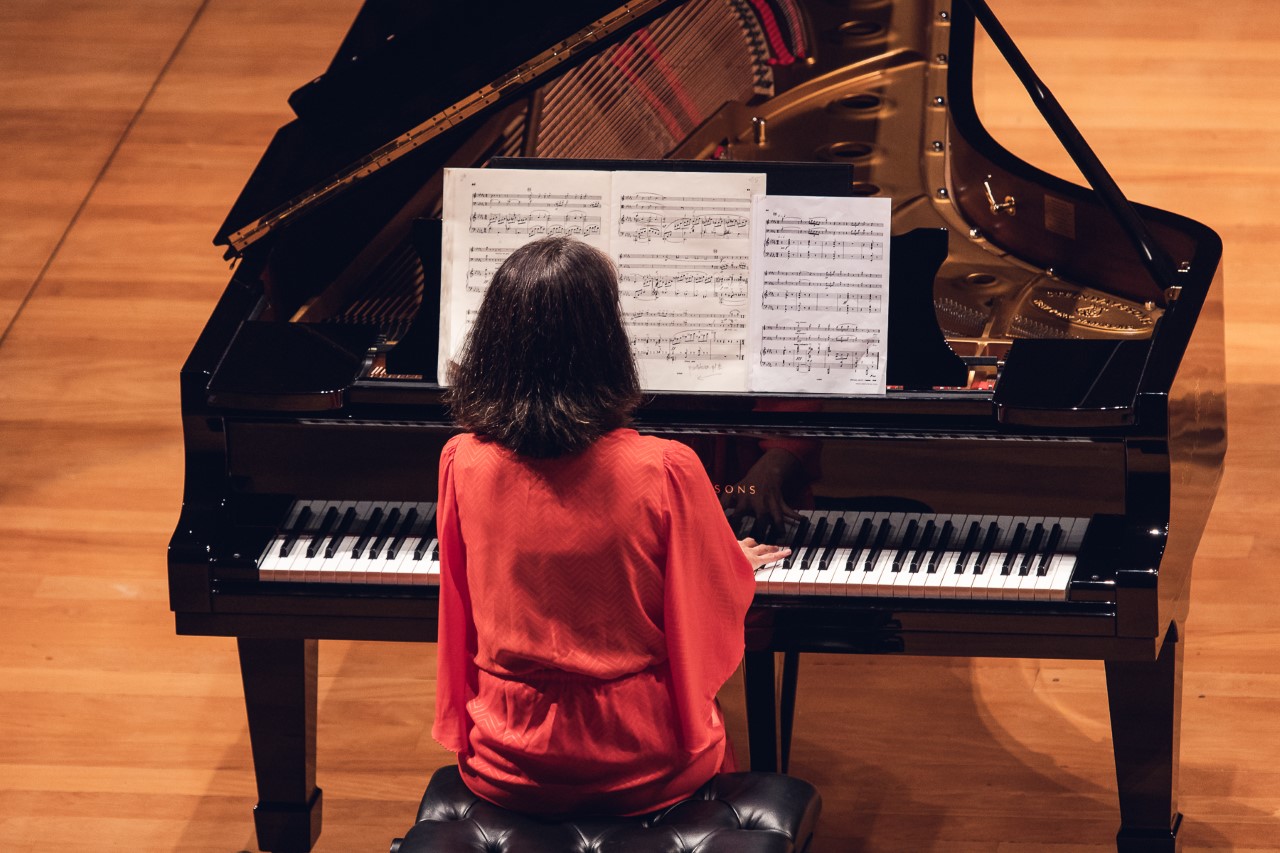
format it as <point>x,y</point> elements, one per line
<point>547,367</point>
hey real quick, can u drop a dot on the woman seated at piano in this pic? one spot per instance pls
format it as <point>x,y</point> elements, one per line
<point>592,593</point>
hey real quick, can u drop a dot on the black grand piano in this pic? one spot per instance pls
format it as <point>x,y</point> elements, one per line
<point>1034,483</point>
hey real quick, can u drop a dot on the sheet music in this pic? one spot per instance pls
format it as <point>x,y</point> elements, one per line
<point>819,294</point>
<point>681,241</point>
<point>492,212</point>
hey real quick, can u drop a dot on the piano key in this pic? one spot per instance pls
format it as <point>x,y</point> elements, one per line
<point>317,538</point>
<point>368,531</point>
<point>944,542</point>
<point>295,528</point>
<point>1033,548</point>
<point>845,554</point>
<point>389,525</point>
<point>924,547</point>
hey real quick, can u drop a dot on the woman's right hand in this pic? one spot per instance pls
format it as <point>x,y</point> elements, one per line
<point>762,555</point>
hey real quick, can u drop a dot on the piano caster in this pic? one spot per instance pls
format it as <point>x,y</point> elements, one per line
<point>288,828</point>
<point>1150,840</point>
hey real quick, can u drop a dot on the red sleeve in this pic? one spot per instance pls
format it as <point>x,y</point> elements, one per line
<point>708,588</point>
<point>456,644</point>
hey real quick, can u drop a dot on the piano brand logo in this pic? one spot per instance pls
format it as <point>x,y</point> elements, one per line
<point>735,489</point>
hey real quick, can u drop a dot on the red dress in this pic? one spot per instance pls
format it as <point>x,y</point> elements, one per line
<point>590,608</point>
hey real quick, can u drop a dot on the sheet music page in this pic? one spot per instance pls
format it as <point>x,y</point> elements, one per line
<point>489,213</point>
<point>681,241</point>
<point>819,294</point>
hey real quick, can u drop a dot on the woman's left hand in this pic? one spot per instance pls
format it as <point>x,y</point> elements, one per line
<point>762,555</point>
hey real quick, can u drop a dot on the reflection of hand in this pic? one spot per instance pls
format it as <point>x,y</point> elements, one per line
<point>766,482</point>
<point>762,555</point>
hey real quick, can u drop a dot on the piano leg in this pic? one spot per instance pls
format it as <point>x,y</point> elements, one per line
<point>1146,711</point>
<point>787,702</point>
<point>280,697</point>
<point>762,725</point>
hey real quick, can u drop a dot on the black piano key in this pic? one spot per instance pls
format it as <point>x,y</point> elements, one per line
<point>348,518</point>
<point>428,536</point>
<point>944,539</point>
<point>330,516</point>
<point>1033,549</point>
<point>970,542</point>
<point>388,526</point>
<point>815,543</point>
<point>403,533</point>
<point>988,544</point>
<point>798,539</point>
<point>882,536</point>
<point>1050,549</point>
<point>837,536</point>
<point>926,541</point>
<point>908,542</point>
<point>291,535</point>
<point>370,528</point>
<point>859,542</point>
<point>1015,547</point>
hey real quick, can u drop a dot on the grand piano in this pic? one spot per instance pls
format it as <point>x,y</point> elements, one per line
<point>1034,483</point>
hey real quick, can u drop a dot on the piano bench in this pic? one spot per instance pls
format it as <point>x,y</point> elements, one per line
<point>732,813</point>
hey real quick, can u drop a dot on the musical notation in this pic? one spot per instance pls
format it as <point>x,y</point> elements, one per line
<point>662,277</point>
<point>688,345</point>
<point>648,216</point>
<point>820,347</point>
<point>532,215</point>
<point>830,291</point>
<point>819,290</point>
<point>812,247</point>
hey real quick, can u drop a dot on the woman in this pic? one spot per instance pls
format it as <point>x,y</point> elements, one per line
<point>592,593</point>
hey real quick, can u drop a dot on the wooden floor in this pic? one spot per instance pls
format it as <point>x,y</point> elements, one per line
<point>126,129</point>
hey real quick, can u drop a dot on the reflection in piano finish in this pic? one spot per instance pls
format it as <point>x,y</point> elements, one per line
<point>1055,383</point>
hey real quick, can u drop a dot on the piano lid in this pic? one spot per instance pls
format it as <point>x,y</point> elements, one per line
<point>375,108</point>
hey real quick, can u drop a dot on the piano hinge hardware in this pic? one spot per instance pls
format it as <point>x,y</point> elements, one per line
<point>536,68</point>
<point>1009,205</point>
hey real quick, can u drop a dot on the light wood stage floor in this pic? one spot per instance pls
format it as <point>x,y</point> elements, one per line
<point>126,129</point>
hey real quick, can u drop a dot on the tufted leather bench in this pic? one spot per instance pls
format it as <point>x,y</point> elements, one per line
<point>733,813</point>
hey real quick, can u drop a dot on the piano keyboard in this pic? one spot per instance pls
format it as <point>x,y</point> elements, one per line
<point>914,555</point>
<point>370,542</point>
<point>919,555</point>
